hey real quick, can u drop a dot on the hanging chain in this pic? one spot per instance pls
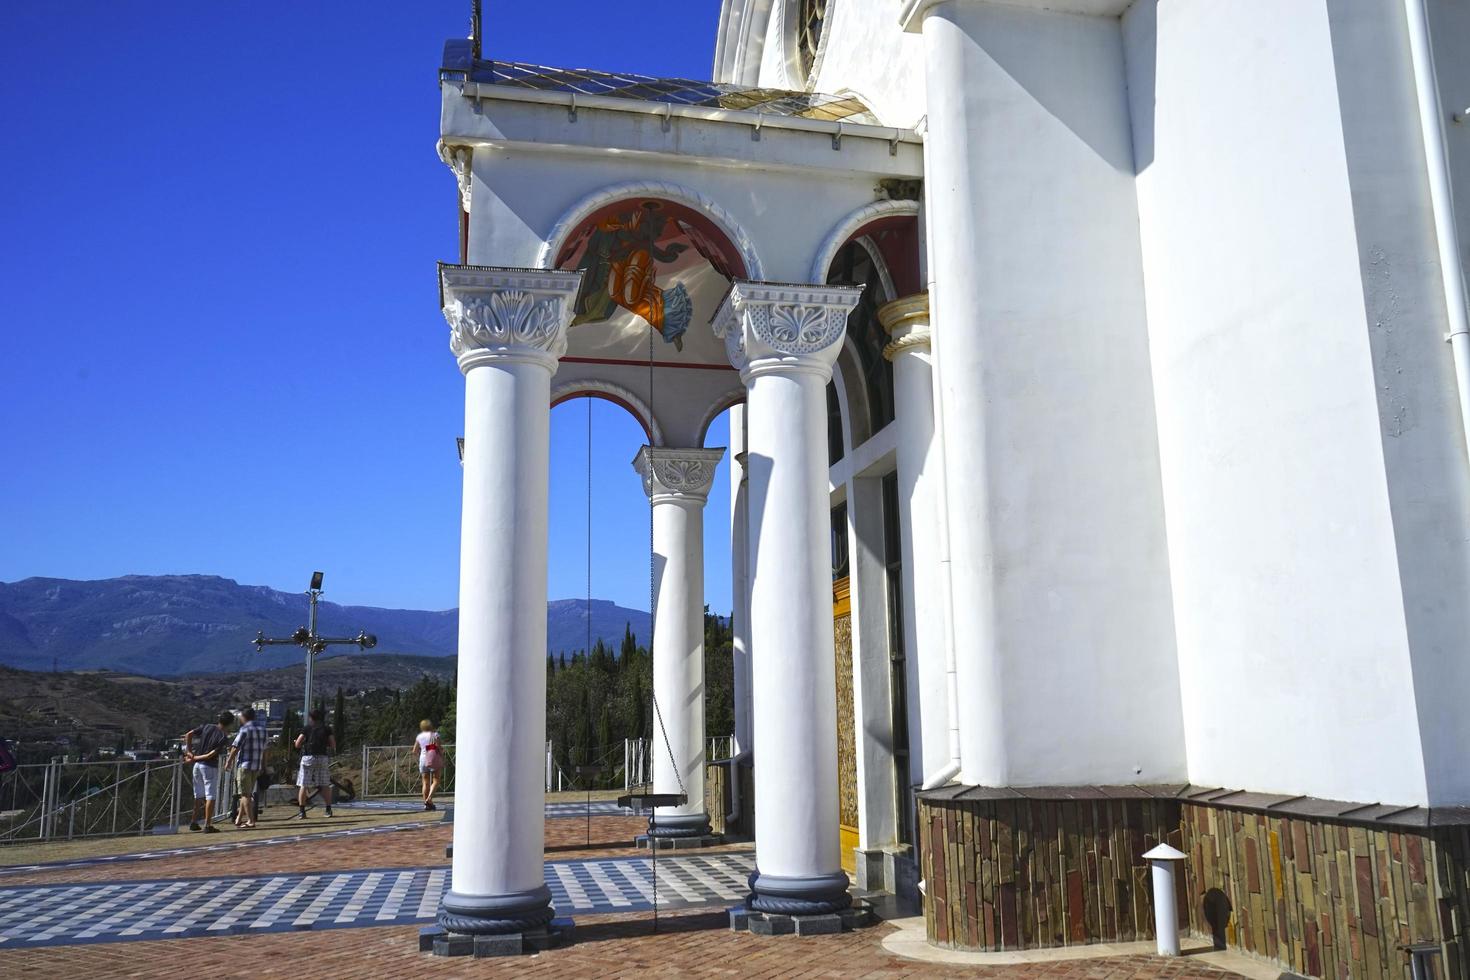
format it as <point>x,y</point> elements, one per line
<point>589,527</point>
<point>652,586</point>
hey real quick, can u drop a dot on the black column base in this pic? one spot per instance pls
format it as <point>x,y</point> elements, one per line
<point>493,915</point>
<point>442,942</point>
<point>807,895</point>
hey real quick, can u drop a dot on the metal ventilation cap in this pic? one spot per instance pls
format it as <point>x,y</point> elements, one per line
<point>1165,853</point>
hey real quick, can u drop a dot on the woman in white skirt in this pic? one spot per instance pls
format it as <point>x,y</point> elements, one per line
<point>431,761</point>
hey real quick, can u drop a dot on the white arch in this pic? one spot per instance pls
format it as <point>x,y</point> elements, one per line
<point>730,398</point>
<point>615,393</point>
<point>661,189</point>
<point>849,225</point>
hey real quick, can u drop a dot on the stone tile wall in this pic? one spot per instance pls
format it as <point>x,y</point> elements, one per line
<point>1027,874</point>
<point>1328,899</point>
<point>1320,897</point>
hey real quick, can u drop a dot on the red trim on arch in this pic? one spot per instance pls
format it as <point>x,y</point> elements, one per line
<point>609,397</point>
<point>897,238</point>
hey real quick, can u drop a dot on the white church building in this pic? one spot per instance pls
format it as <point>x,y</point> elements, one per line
<point>1099,375</point>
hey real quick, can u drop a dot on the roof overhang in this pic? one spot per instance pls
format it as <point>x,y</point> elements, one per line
<point>911,14</point>
<point>481,114</point>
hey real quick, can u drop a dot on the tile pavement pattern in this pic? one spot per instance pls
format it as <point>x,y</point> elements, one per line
<point>688,944</point>
<point>222,846</point>
<point>70,914</point>
<point>599,808</point>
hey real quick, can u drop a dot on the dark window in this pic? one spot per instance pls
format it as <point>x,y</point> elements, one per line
<point>839,542</point>
<point>854,266</point>
<point>834,425</point>
<point>809,18</point>
<point>897,669</point>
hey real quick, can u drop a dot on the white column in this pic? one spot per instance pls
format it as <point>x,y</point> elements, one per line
<point>784,339</point>
<point>935,752</point>
<point>677,482</point>
<point>740,585</point>
<point>507,329</point>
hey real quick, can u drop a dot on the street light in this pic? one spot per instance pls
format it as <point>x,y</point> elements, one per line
<point>306,636</point>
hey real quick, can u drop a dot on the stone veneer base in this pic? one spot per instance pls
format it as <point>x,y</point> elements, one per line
<point>1319,895</point>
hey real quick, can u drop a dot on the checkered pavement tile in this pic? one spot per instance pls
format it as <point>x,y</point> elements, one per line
<point>17,869</point>
<point>598,808</point>
<point>72,914</point>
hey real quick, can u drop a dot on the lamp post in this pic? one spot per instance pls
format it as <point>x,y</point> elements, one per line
<point>306,636</point>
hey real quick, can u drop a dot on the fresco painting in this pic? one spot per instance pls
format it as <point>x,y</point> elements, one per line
<point>623,255</point>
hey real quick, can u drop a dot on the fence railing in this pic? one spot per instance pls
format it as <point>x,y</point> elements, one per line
<point>392,770</point>
<point>68,800</point>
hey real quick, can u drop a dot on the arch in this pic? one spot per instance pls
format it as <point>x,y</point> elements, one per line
<point>885,278</point>
<point>844,230</point>
<point>615,393</point>
<point>734,396</point>
<point>573,218</point>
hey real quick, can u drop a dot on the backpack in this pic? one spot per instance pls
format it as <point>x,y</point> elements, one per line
<point>315,742</point>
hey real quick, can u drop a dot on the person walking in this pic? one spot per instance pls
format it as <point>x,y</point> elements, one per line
<point>202,748</point>
<point>431,761</point>
<point>317,743</point>
<point>247,755</point>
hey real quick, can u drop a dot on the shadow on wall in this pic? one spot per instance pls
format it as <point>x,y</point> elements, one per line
<point>1216,907</point>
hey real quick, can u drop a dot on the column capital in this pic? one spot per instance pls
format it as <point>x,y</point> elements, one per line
<point>507,314</point>
<point>457,159</point>
<point>907,322</point>
<point>790,326</point>
<point>677,474</point>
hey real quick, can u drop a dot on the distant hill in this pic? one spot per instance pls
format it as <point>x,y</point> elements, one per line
<point>168,625</point>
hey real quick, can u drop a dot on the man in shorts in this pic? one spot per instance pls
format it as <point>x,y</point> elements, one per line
<point>202,748</point>
<point>248,755</point>
<point>317,744</point>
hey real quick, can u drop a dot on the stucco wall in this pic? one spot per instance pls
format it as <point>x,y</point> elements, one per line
<point>1293,650</point>
<point>1058,551</point>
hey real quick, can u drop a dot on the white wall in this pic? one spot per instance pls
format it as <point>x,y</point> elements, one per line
<point>1294,658</point>
<point>1058,551</point>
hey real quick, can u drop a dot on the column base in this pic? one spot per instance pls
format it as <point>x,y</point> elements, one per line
<point>855,916</point>
<point>679,825</point>
<point>491,915</point>
<point>442,942</point>
<point>792,896</point>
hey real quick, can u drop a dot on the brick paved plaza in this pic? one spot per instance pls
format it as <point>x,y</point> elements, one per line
<point>336,934</point>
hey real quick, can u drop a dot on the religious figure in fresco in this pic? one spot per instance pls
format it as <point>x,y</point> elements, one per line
<point>619,267</point>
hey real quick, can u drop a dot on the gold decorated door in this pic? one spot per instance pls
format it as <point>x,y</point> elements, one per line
<point>847,795</point>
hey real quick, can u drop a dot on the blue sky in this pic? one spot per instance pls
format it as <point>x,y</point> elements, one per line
<point>220,348</point>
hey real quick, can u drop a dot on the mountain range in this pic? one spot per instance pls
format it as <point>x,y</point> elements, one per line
<point>169,625</point>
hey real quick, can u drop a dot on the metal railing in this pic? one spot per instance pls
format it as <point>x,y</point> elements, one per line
<point>68,800</point>
<point>393,770</point>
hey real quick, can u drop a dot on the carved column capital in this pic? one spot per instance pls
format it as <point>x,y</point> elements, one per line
<point>907,322</point>
<point>517,314</point>
<point>677,474</point>
<point>772,325</point>
<point>457,159</point>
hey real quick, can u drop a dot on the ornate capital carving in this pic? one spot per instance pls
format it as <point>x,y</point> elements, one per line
<point>506,313</point>
<point>770,324</point>
<point>681,473</point>
<point>907,321</point>
<point>457,159</point>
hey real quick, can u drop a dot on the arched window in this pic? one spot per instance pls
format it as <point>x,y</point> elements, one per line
<point>810,15</point>
<point>854,265</point>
